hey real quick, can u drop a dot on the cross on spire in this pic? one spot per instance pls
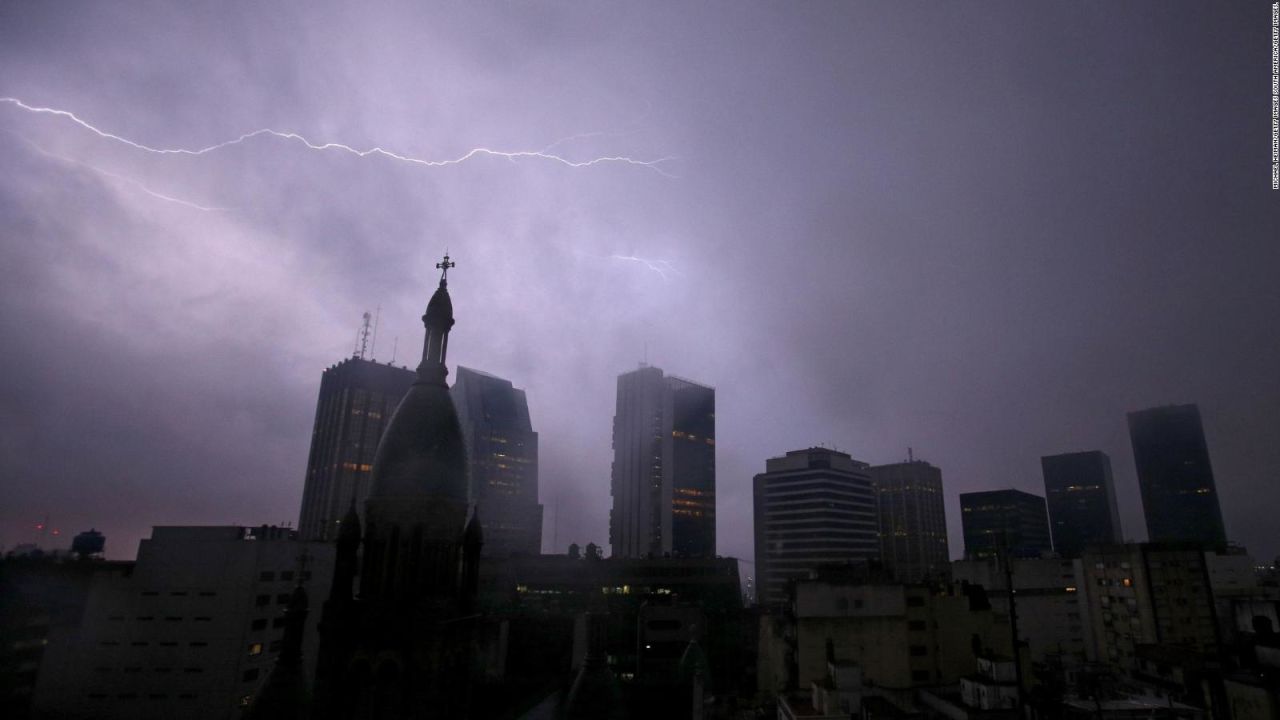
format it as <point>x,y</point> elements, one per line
<point>443,266</point>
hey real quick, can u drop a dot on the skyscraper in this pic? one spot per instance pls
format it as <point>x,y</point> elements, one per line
<point>812,507</point>
<point>913,520</point>
<point>356,400</point>
<point>1179,497</point>
<point>664,467</point>
<point>1082,501</point>
<point>502,451</point>
<point>1009,519</point>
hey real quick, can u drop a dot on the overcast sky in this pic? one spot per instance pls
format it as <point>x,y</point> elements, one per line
<point>982,230</point>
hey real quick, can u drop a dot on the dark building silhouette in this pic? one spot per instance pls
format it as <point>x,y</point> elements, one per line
<point>812,507</point>
<point>1081,498</point>
<point>502,452</point>
<point>664,467</point>
<point>1179,497</point>
<point>356,400</point>
<point>89,542</point>
<point>913,520</point>
<point>284,695</point>
<point>1004,519</point>
<point>408,645</point>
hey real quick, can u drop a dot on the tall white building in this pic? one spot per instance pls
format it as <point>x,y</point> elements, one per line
<point>664,467</point>
<point>812,507</point>
<point>190,631</point>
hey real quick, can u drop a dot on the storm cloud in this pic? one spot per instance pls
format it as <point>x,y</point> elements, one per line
<point>984,231</point>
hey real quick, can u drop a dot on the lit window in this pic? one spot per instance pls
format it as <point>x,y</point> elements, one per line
<point>255,648</point>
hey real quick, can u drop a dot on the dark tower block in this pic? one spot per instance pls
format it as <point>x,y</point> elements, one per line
<point>1179,496</point>
<point>1082,501</point>
<point>997,521</point>
<point>664,467</point>
<point>406,647</point>
<point>357,397</point>
<point>502,453</point>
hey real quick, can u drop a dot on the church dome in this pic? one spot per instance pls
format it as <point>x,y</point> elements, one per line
<point>422,452</point>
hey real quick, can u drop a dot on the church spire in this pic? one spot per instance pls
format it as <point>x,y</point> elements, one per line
<point>438,320</point>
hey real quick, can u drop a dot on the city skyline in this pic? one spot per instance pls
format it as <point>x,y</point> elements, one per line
<point>843,261</point>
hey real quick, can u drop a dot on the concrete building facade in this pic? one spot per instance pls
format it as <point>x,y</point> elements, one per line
<point>190,631</point>
<point>1148,594</point>
<point>812,507</point>
<point>902,636</point>
<point>1053,617</point>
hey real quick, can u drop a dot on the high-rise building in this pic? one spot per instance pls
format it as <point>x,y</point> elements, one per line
<point>1179,497</point>
<point>1012,520</point>
<point>913,520</point>
<point>812,507</point>
<point>502,451</point>
<point>664,467</point>
<point>356,400</point>
<point>1082,501</point>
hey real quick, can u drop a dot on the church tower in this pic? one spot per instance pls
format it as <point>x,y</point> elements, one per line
<point>405,646</point>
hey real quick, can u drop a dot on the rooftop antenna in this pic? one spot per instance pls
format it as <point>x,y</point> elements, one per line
<point>395,345</point>
<point>910,454</point>
<point>373,345</point>
<point>364,334</point>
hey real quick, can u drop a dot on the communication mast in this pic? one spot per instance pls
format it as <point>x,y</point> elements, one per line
<point>362,336</point>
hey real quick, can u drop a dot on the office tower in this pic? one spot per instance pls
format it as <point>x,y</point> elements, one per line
<point>664,467</point>
<point>502,452</point>
<point>190,630</point>
<point>356,400</point>
<point>1010,519</point>
<point>913,520</point>
<point>1082,501</point>
<point>1179,497</point>
<point>812,507</point>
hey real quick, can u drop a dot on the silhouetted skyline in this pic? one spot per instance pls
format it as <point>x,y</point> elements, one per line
<point>986,231</point>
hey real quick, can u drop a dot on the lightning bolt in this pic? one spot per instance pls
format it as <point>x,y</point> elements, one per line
<point>654,165</point>
<point>131,181</point>
<point>662,267</point>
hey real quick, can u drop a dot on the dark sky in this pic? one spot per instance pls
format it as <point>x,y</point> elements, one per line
<point>982,230</point>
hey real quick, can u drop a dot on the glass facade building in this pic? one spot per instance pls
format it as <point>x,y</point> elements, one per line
<point>1011,520</point>
<point>1179,496</point>
<point>1082,501</point>
<point>502,450</point>
<point>664,467</point>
